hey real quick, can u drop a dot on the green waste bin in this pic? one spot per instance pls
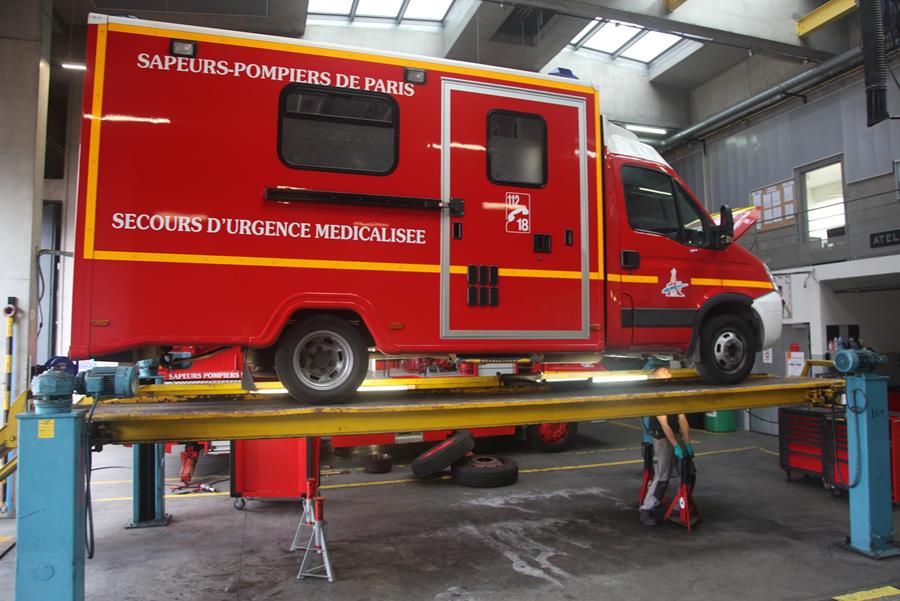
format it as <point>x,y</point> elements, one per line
<point>719,421</point>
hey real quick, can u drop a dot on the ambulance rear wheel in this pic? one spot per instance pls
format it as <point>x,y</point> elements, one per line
<point>322,360</point>
<point>727,350</point>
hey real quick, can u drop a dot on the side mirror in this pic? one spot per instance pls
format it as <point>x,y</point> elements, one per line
<point>724,233</point>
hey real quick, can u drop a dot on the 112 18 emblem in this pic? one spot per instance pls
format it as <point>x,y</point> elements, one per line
<point>518,213</point>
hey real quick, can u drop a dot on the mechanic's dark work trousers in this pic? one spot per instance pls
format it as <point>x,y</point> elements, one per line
<point>663,462</point>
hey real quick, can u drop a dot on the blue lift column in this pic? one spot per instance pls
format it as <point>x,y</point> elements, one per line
<point>871,510</point>
<point>148,505</point>
<point>50,530</point>
<point>54,455</point>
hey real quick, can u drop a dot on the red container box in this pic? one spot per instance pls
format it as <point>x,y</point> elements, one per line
<point>273,469</point>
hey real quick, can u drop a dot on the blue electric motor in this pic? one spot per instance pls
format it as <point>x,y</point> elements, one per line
<point>852,360</point>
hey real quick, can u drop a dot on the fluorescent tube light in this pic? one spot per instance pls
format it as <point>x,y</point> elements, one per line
<point>644,129</point>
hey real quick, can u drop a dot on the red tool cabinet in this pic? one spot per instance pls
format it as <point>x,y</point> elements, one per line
<point>273,469</point>
<point>813,441</point>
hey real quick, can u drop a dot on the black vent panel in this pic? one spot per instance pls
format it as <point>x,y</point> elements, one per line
<point>523,25</point>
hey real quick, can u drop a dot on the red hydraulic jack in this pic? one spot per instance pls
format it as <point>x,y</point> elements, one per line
<point>313,518</point>
<point>682,509</point>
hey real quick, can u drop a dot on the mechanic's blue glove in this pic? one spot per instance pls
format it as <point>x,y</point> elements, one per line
<point>690,449</point>
<point>679,451</point>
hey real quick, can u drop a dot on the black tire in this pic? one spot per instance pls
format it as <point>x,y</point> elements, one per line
<point>322,360</point>
<point>485,471</point>
<point>727,350</point>
<point>378,463</point>
<point>552,438</point>
<point>443,455</point>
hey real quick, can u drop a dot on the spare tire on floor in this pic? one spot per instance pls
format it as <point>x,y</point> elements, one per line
<point>443,455</point>
<point>485,471</point>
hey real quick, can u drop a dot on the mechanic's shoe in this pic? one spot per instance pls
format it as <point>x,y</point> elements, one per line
<point>648,518</point>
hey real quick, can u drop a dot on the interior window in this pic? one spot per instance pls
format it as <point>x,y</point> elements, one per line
<point>823,189</point>
<point>338,130</point>
<point>517,149</point>
<point>650,202</point>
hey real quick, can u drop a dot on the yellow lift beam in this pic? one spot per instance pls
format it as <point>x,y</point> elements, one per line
<point>180,392</point>
<point>202,416</point>
<point>830,11</point>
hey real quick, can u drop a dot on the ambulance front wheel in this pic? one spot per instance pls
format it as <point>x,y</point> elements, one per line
<point>322,360</point>
<point>727,350</point>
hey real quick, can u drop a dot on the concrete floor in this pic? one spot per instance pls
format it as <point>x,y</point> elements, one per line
<point>567,530</point>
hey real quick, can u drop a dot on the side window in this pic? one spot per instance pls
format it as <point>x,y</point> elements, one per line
<point>516,149</point>
<point>656,203</point>
<point>693,222</point>
<point>649,201</point>
<point>338,130</point>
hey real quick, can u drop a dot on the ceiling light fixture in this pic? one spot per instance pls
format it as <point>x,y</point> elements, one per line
<point>74,66</point>
<point>645,129</point>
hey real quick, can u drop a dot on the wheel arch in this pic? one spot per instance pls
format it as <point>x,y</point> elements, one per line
<point>728,302</point>
<point>353,308</point>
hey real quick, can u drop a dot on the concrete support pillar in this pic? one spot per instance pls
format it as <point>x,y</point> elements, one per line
<point>25,31</point>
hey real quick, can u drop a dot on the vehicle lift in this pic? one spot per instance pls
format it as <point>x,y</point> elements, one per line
<point>55,439</point>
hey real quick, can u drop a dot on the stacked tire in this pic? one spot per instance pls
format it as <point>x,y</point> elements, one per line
<point>480,471</point>
<point>442,456</point>
<point>485,471</point>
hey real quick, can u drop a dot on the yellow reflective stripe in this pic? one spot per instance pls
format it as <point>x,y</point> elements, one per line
<point>731,283</point>
<point>149,257</point>
<point>110,255</point>
<point>90,206</point>
<point>640,279</point>
<point>237,40</point>
<point>540,273</point>
<point>598,149</point>
<point>652,279</point>
<point>632,279</point>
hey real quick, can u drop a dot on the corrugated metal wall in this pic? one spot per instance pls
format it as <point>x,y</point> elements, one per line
<point>770,150</point>
<point>774,149</point>
<point>690,168</point>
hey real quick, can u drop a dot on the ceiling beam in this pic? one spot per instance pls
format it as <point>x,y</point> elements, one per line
<point>671,5</point>
<point>729,23</point>
<point>829,12</point>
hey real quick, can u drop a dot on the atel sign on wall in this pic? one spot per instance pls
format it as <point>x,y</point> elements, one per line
<point>889,238</point>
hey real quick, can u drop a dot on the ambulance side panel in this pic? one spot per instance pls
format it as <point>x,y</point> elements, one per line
<point>195,229</point>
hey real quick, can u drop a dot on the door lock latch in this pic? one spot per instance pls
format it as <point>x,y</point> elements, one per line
<point>457,207</point>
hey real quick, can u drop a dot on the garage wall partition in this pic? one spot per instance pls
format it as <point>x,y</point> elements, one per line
<point>779,149</point>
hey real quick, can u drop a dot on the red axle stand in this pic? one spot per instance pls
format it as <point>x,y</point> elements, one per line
<point>313,517</point>
<point>647,453</point>
<point>682,509</point>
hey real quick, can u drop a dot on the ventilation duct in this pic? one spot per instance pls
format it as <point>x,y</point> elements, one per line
<point>523,25</point>
<point>874,59</point>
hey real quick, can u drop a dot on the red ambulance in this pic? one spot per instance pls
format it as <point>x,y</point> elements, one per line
<point>314,204</point>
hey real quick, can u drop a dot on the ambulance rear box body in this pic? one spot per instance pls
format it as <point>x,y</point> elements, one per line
<point>313,204</point>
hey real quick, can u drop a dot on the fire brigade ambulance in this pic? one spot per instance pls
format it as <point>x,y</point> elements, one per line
<point>315,204</point>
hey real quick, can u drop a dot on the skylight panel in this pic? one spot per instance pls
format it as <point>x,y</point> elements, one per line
<point>330,7</point>
<point>379,8</point>
<point>612,36</point>
<point>583,32</point>
<point>651,46</point>
<point>427,10</point>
